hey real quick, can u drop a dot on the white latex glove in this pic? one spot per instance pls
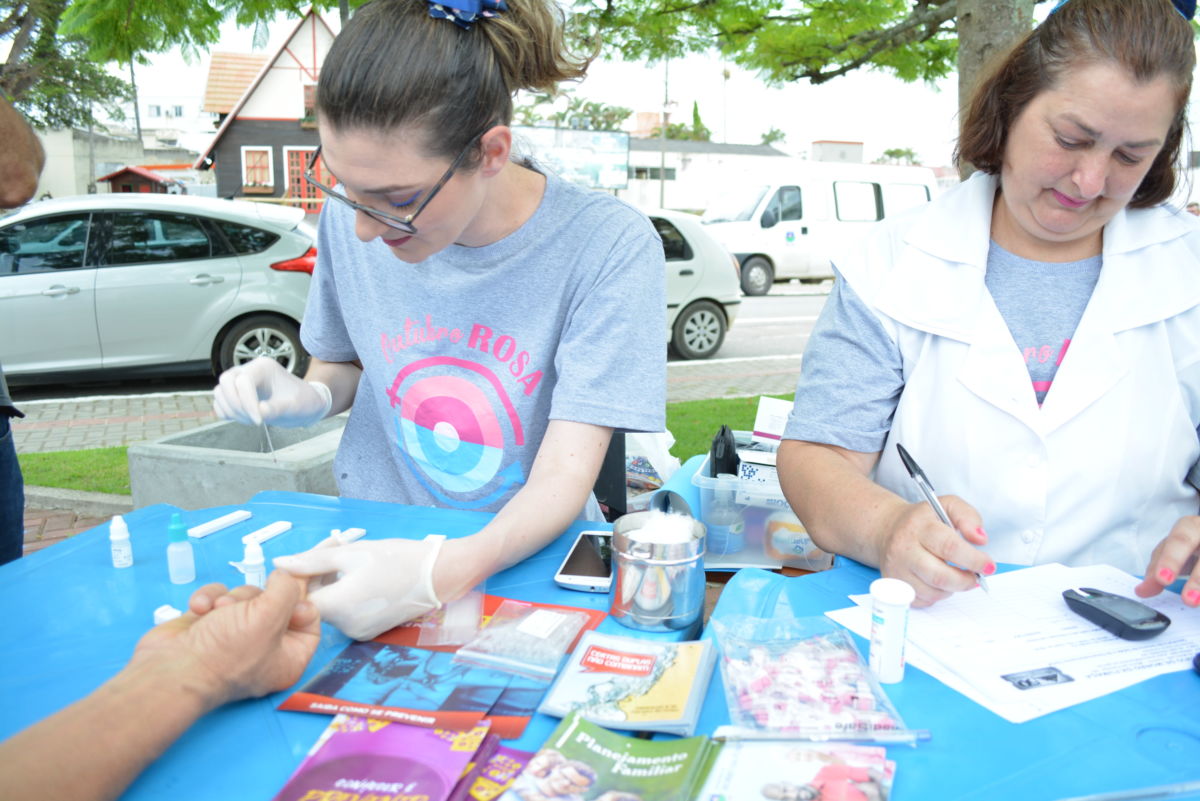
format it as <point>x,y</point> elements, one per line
<point>369,586</point>
<point>263,391</point>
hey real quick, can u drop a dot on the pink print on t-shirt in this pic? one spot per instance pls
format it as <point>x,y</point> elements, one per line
<point>1041,355</point>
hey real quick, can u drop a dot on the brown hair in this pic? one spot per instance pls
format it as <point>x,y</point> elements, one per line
<point>393,65</point>
<point>1148,38</point>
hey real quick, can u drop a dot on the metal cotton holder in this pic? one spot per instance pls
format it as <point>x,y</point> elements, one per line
<point>656,586</point>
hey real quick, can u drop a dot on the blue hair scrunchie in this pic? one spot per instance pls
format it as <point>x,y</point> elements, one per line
<point>1186,8</point>
<point>464,13</point>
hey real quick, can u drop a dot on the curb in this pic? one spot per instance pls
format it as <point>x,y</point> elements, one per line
<point>84,504</point>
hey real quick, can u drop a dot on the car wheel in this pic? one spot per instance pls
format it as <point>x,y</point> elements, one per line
<point>757,276</point>
<point>263,335</point>
<point>699,330</point>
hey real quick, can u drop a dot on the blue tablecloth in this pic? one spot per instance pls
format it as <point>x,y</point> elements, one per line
<point>71,620</point>
<point>1143,736</point>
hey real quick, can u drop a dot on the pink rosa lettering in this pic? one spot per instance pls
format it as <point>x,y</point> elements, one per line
<point>1039,354</point>
<point>504,349</point>
<point>416,334</point>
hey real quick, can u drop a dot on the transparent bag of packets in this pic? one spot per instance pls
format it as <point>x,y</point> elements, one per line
<point>802,678</point>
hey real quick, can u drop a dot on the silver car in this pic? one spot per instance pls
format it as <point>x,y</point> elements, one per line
<point>703,285</point>
<point>151,284</point>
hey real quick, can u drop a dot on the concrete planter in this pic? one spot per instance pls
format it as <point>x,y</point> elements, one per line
<point>227,463</point>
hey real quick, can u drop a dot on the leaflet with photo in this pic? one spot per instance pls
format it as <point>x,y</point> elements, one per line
<point>389,678</point>
<point>634,684</point>
<point>584,762</point>
<point>754,770</point>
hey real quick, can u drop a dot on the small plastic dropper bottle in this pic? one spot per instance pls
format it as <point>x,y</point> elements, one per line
<point>724,519</point>
<point>118,537</point>
<point>181,562</point>
<point>254,565</point>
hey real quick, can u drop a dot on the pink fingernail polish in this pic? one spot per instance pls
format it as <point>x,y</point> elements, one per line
<point>979,530</point>
<point>989,569</point>
<point>1192,597</point>
<point>1166,575</point>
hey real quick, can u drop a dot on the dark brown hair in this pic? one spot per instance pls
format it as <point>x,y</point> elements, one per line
<point>395,66</point>
<point>1149,38</point>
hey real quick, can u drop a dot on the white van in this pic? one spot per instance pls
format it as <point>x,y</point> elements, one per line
<point>785,225</point>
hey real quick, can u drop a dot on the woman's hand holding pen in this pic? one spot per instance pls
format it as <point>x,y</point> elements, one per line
<point>1175,556</point>
<point>935,559</point>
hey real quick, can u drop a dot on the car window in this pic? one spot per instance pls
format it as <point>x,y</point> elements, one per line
<point>785,204</point>
<point>44,244</point>
<point>245,238</point>
<point>141,237</point>
<point>898,197</point>
<point>737,206</point>
<point>675,247</point>
<point>790,207</point>
<point>857,201</point>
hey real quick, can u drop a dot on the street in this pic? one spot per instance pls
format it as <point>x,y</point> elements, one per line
<point>777,324</point>
<point>761,355</point>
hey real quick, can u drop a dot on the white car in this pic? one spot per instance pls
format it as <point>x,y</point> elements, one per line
<point>703,285</point>
<point>151,284</point>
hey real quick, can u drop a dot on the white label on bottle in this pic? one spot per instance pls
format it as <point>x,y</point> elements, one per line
<point>122,554</point>
<point>889,628</point>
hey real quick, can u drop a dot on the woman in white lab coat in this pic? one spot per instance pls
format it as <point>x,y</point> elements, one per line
<point>1031,337</point>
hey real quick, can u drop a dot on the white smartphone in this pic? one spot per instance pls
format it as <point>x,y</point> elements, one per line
<point>588,566</point>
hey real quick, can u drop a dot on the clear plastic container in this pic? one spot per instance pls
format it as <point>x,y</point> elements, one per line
<point>525,639</point>
<point>802,678</point>
<point>770,534</point>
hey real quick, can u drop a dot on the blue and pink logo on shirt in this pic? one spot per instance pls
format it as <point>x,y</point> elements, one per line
<point>454,422</point>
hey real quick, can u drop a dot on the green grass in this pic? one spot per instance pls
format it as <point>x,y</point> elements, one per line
<point>693,423</point>
<point>94,470</point>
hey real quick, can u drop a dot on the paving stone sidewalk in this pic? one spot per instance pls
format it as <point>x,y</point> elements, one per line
<point>44,527</point>
<point>67,425</point>
<point>93,423</point>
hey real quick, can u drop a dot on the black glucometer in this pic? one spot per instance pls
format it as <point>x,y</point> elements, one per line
<point>1124,617</point>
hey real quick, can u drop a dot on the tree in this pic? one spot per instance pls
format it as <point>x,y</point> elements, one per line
<point>123,30</point>
<point>898,155</point>
<point>55,69</point>
<point>772,136</point>
<point>578,113</point>
<point>47,75</point>
<point>811,40</point>
<point>696,132</point>
<point>990,28</point>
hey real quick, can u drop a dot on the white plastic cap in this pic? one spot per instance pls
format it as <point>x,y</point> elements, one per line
<point>893,592</point>
<point>253,555</point>
<point>118,529</point>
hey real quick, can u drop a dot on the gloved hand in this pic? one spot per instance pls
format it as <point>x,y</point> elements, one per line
<point>369,586</point>
<point>263,391</point>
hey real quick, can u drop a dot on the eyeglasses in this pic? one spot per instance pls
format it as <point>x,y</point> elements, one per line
<point>405,223</point>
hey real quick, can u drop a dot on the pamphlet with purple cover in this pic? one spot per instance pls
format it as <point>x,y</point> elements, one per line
<point>360,757</point>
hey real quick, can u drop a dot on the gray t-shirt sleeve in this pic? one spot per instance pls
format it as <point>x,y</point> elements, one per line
<point>323,330</point>
<point>604,379</point>
<point>850,379</point>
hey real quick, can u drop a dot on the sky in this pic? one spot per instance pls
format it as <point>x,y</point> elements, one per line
<point>871,107</point>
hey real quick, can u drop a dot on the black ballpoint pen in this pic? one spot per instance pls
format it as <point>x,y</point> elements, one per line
<point>922,482</point>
